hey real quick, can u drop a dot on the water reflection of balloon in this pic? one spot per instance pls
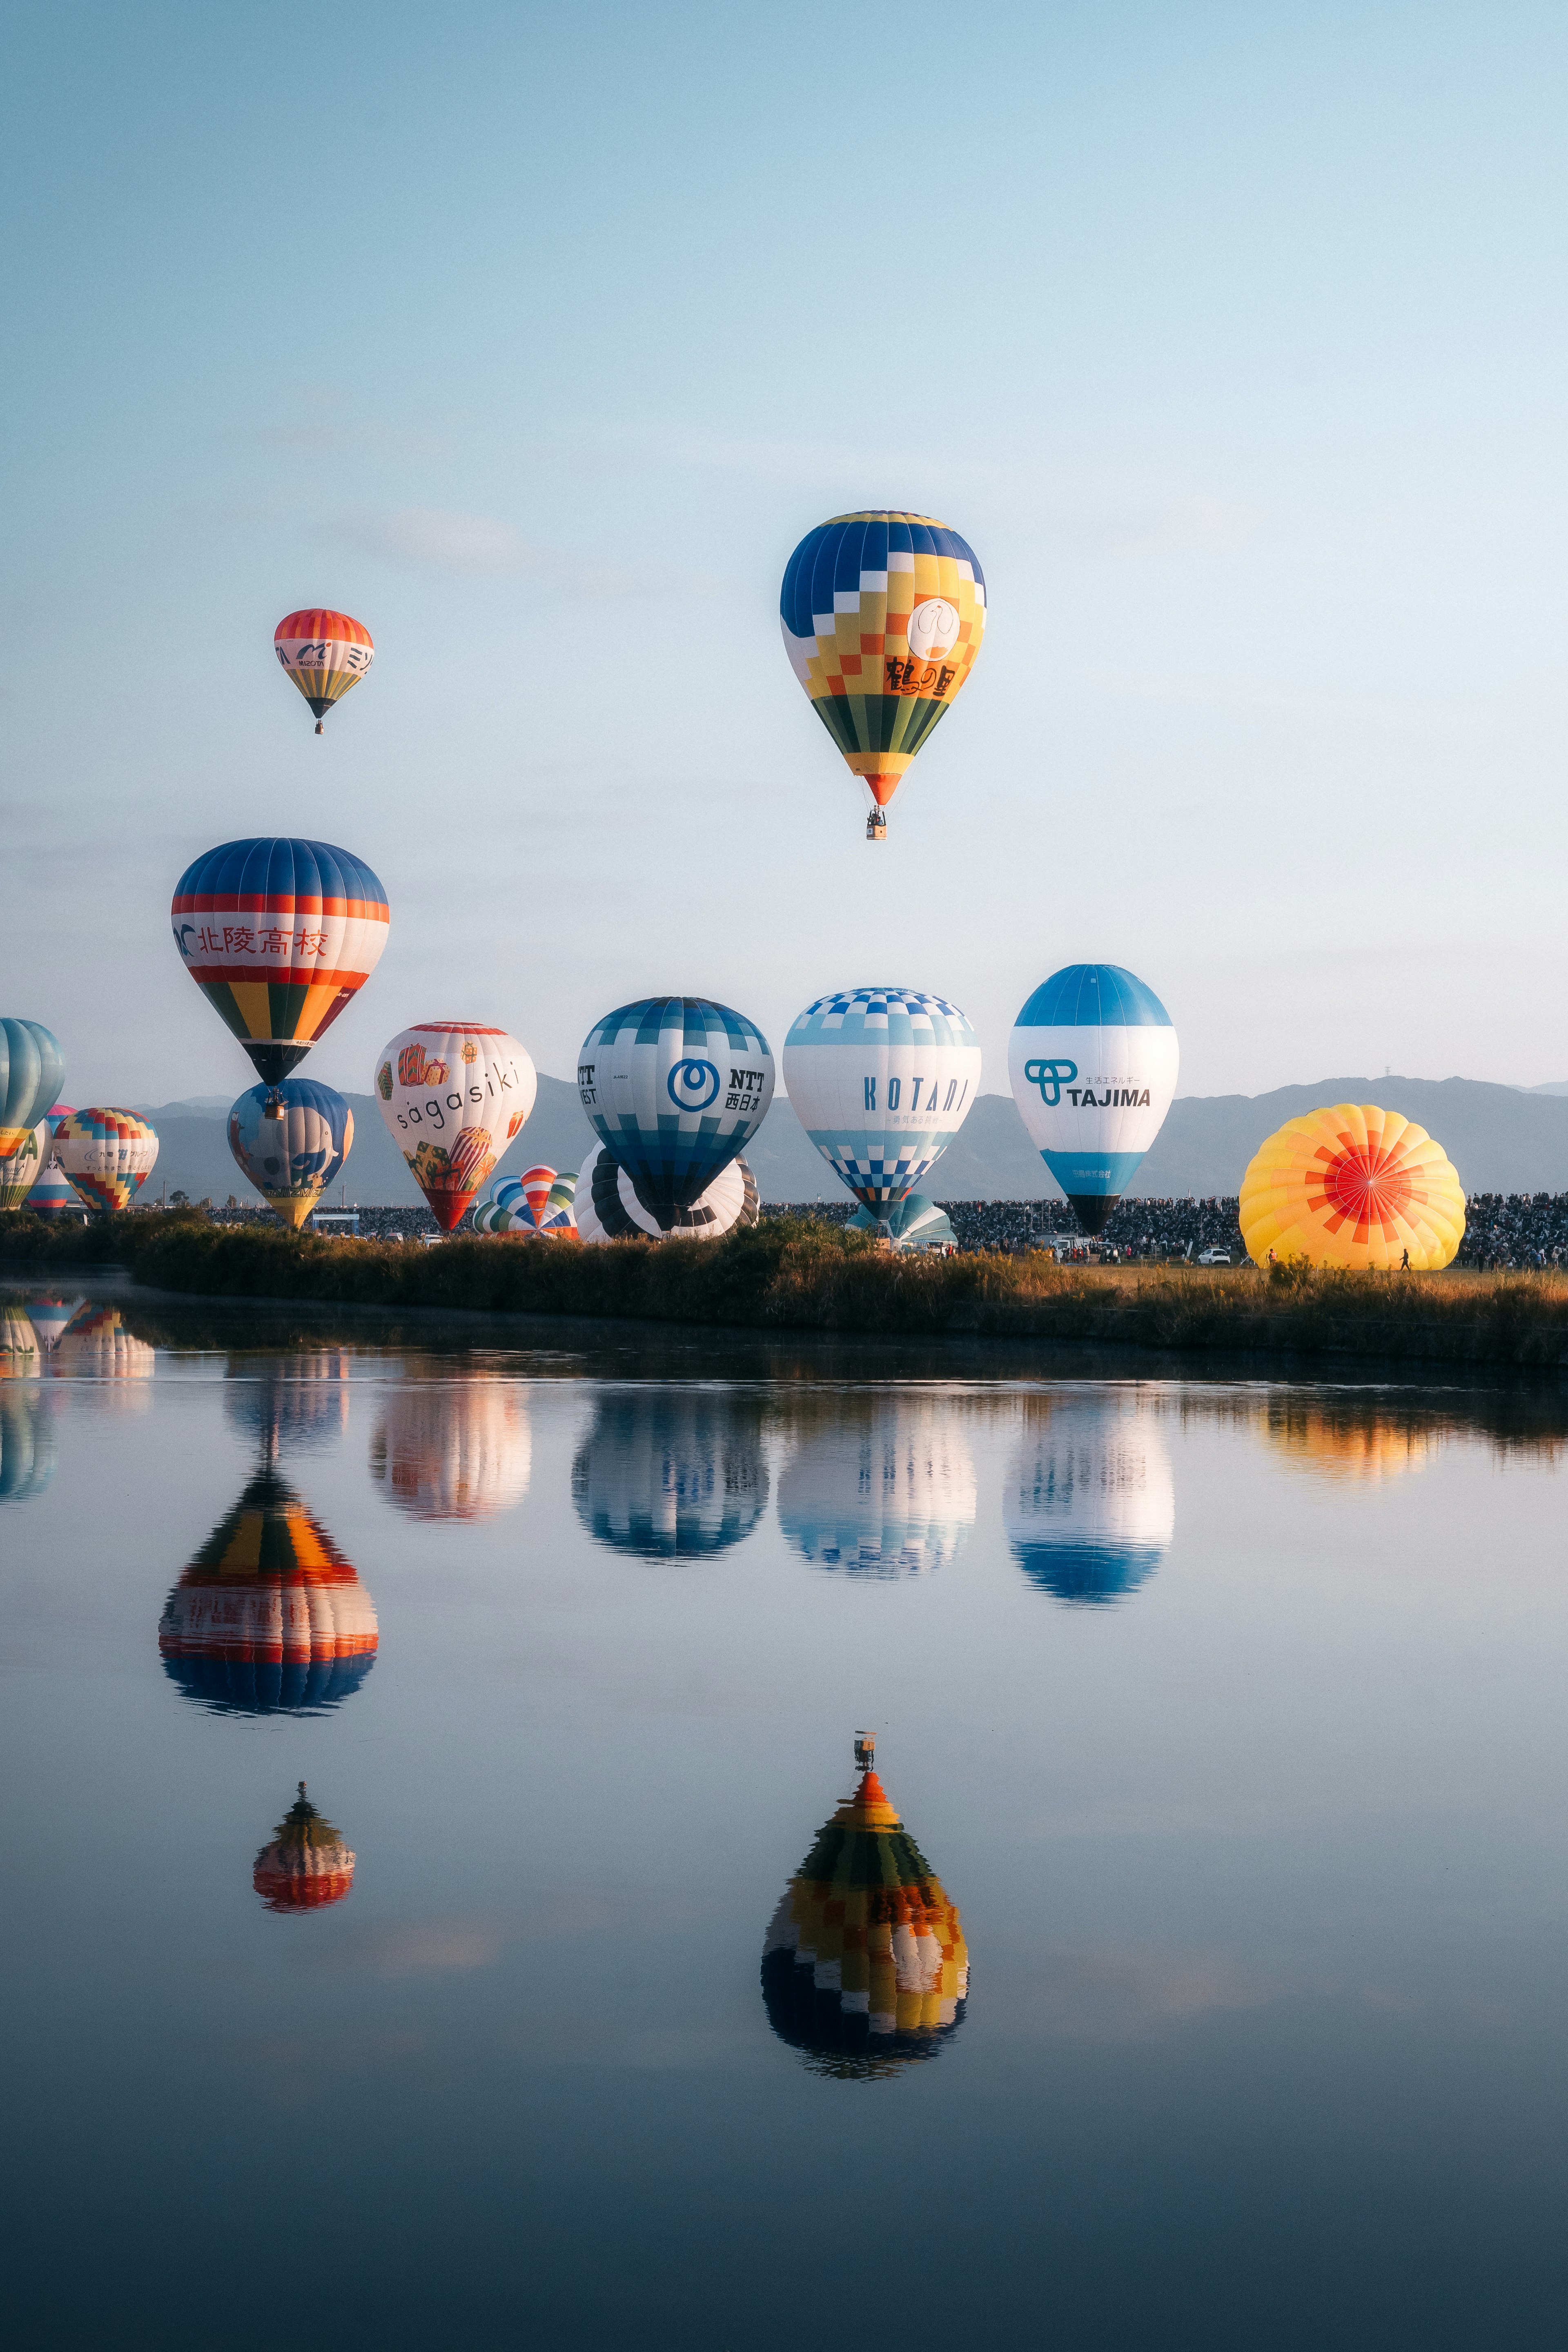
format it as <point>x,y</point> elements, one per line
<point>881,1484</point>
<point>269,1616</point>
<point>1354,1186</point>
<point>1355,1443</point>
<point>51,1318</point>
<point>1090,1504</point>
<point>458,1450</point>
<point>98,1344</point>
<point>865,1968</point>
<point>288,1402</point>
<point>608,1210</point>
<point>290,1159</point>
<point>671,1474</point>
<point>306,1865</point>
<point>26,1444</point>
<point>20,1355</point>
<point>674,1086</point>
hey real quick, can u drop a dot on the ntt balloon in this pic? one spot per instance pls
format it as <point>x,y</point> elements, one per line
<point>1353,1186</point>
<point>280,935</point>
<point>881,1079</point>
<point>108,1154</point>
<point>326,654</point>
<point>292,1159</point>
<point>31,1069</point>
<point>453,1095</point>
<point>882,617</point>
<point>606,1208</point>
<point>1093,1062</point>
<point>674,1088</point>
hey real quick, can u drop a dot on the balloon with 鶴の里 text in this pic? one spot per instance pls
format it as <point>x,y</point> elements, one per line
<point>454,1095</point>
<point>108,1153</point>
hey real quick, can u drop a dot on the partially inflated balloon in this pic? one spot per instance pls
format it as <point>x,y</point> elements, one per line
<point>324,652</point>
<point>107,1153</point>
<point>1354,1186</point>
<point>881,1079</point>
<point>453,1093</point>
<point>882,617</point>
<point>31,1069</point>
<point>913,1223</point>
<point>292,1159</point>
<point>675,1086</point>
<point>20,1169</point>
<point>279,934</point>
<point>607,1209</point>
<point>1093,1062</point>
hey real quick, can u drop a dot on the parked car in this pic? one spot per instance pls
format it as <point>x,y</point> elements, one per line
<point>1214,1257</point>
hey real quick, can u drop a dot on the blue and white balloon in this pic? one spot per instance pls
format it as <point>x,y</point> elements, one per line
<point>31,1069</point>
<point>1090,1504</point>
<point>881,1079</point>
<point>1093,1062</point>
<point>674,1088</point>
<point>292,1159</point>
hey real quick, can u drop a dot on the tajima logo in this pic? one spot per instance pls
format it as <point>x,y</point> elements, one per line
<point>1050,1077</point>
<point>1053,1077</point>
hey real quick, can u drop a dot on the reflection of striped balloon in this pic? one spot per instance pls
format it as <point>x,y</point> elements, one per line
<point>19,1353</point>
<point>461,1450</point>
<point>306,1865</point>
<point>97,1345</point>
<point>864,1967</point>
<point>671,1474</point>
<point>27,1444</point>
<point>269,1614</point>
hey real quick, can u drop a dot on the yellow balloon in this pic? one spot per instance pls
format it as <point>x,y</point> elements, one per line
<point>1353,1186</point>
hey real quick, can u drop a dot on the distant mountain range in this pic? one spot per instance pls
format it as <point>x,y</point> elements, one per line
<point>1500,1139</point>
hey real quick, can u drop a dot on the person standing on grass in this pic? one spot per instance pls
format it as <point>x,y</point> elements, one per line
<point>1405,1263</point>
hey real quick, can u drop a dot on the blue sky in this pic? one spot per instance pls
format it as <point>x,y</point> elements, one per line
<point>1232,338</point>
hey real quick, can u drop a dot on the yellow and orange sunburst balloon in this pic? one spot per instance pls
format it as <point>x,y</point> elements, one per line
<point>1354,1186</point>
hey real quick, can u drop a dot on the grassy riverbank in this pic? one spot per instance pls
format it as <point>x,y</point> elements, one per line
<point>804,1274</point>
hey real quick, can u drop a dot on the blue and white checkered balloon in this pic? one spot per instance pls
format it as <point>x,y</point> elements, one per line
<point>881,1079</point>
<point>674,1088</point>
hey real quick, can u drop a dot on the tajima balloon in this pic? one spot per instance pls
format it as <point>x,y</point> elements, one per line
<point>1090,1504</point>
<point>453,1093</point>
<point>306,1865</point>
<point>324,652</point>
<point>882,617</point>
<point>606,1208</point>
<point>31,1069</point>
<point>881,1079</point>
<point>21,1169</point>
<point>675,1086</point>
<point>1354,1186</point>
<point>107,1153</point>
<point>279,934</point>
<point>292,1159</point>
<point>865,1965</point>
<point>880,1484</point>
<point>1093,1062</point>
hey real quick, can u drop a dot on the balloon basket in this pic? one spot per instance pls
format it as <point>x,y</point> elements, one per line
<point>876,826</point>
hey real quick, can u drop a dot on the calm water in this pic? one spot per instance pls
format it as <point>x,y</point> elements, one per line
<point>1224,2000</point>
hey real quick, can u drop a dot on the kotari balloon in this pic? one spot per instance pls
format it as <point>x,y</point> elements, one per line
<point>31,1069</point>
<point>21,1169</point>
<point>107,1153</point>
<point>279,934</point>
<point>882,617</point>
<point>606,1209</point>
<point>1093,1063</point>
<point>453,1093</point>
<point>1353,1186</point>
<point>324,652</point>
<point>291,1160</point>
<point>675,1086</point>
<point>881,1079</point>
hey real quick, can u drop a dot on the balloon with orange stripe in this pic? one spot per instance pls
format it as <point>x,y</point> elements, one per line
<point>325,654</point>
<point>307,1864</point>
<point>1353,1186</point>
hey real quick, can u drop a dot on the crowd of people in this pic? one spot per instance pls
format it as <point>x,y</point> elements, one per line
<point>1515,1228</point>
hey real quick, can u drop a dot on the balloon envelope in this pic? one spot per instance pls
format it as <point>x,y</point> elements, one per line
<point>608,1210</point>
<point>108,1154</point>
<point>31,1069</point>
<point>913,1223</point>
<point>1093,1061</point>
<point>675,1086</point>
<point>292,1159</point>
<point>27,1444</point>
<point>1090,1504</point>
<point>1353,1186</point>
<point>882,615</point>
<point>881,1079</point>
<point>20,1357</point>
<point>324,652</point>
<point>456,1450</point>
<point>453,1095</point>
<point>279,934</point>
<point>881,1486</point>
<point>671,1474</point>
<point>306,1865</point>
<point>21,1169</point>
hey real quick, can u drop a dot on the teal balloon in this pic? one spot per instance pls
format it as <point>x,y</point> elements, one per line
<point>32,1071</point>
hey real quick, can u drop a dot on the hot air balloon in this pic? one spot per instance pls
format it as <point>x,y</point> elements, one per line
<point>31,1069</point>
<point>26,1444</point>
<point>292,1159</point>
<point>279,935</point>
<point>19,1354</point>
<point>882,617</point>
<point>864,1967</point>
<point>99,1345</point>
<point>1354,1186</point>
<point>269,1616</point>
<point>881,1079</point>
<point>306,1865</point>
<point>54,1196</point>
<point>453,1093</point>
<point>671,1475</point>
<point>456,1450</point>
<point>880,1484</point>
<point>913,1223</point>
<point>108,1154</point>
<point>21,1169</point>
<point>561,1205</point>
<point>608,1210</point>
<point>674,1086</point>
<point>324,652</point>
<point>1091,1507</point>
<point>1093,1061</point>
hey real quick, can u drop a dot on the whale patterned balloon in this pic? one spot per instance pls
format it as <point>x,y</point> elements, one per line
<point>292,1159</point>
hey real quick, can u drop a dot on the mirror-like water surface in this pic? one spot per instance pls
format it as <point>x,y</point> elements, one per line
<point>535,1834</point>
